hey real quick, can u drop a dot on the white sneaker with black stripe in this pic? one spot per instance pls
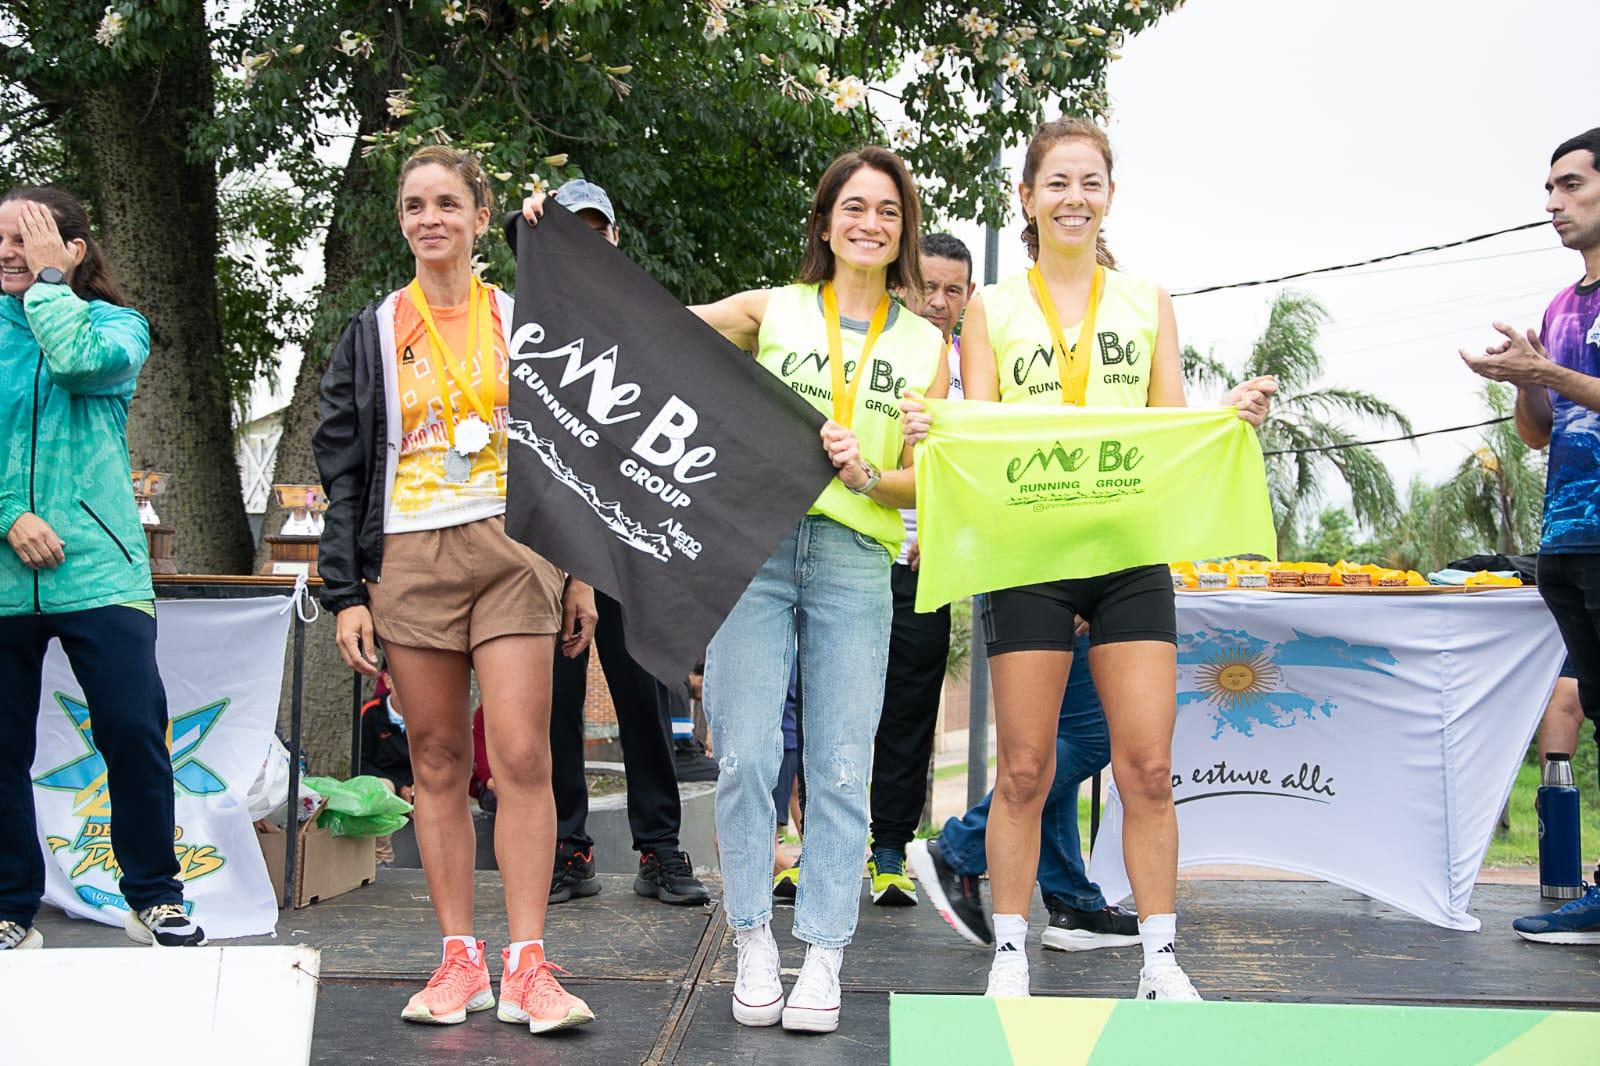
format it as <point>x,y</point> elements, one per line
<point>1166,982</point>
<point>17,937</point>
<point>166,925</point>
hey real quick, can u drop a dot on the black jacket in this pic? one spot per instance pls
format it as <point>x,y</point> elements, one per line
<point>385,748</point>
<point>351,445</point>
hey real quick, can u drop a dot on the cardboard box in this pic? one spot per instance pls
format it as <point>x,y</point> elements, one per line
<point>328,866</point>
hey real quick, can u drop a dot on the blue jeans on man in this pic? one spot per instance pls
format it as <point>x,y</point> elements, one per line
<point>1083,748</point>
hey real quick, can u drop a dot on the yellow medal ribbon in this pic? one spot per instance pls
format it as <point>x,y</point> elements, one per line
<point>1073,364</point>
<point>480,324</point>
<point>844,394</point>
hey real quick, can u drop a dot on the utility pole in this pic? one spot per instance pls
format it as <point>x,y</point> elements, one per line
<point>978,659</point>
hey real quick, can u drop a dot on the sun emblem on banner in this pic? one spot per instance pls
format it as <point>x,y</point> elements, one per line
<point>1233,680</point>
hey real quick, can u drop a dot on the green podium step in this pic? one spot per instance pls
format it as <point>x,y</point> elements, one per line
<point>1061,1031</point>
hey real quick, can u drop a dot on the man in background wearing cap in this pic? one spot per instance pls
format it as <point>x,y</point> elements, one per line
<point>654,814</point>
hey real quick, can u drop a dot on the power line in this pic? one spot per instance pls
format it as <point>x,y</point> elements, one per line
<point>1387,440</point>
<point>1452,262</point>
<point>1363,262</point>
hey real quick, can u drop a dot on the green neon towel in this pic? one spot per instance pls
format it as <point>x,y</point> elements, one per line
<point>1011,494</point>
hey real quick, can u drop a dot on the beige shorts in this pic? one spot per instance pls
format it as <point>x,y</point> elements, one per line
<point>455,588</point>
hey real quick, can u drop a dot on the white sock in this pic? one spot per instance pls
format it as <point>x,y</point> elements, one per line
<point>515,952</point>
<point>1011,934</point>
<point>470,943</point>
<point>1158,934</point>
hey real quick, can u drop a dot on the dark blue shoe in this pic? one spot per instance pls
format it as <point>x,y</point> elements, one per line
<point>1578,922</point>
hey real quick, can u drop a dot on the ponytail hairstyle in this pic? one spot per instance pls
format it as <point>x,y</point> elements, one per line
<point>1047,137</point>
<point>465,165</point>
<point>92,278</point>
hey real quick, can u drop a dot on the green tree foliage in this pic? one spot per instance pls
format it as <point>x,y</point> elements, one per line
<point>708,122</point>
<point>1332,538</point>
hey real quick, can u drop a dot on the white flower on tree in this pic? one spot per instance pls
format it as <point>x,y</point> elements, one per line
<point>112,25</point>
<point>848,95</point>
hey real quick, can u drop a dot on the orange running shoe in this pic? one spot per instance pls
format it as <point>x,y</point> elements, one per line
<point>530,993</point>
<point>459,985</point>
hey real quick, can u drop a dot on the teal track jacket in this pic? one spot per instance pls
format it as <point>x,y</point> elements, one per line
<point>67,372</point>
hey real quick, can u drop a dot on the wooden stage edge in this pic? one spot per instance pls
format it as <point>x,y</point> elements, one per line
<point>659,977</point>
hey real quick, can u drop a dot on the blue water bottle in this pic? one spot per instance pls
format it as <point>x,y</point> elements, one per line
<point>1560,860</point>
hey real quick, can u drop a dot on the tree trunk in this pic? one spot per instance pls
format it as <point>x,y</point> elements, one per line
<point>327,723</point>
<point>158,210</point>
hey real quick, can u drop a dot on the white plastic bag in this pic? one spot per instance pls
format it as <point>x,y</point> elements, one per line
<point>270,790</point>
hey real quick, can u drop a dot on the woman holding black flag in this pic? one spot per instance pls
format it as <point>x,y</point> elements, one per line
<point>412,452</point>
<point>1066,191</point>
<point>77,570</point>
<point>837,338</point>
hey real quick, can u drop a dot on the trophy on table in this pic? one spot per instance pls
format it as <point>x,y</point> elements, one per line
<point>294,548</point>
<point>148,484</point>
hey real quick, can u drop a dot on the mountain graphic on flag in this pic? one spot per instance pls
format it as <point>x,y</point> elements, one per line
<point>1240,676</point>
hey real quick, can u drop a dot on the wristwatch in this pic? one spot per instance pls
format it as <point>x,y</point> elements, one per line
<point>49,276</point>
<point>873,477</point>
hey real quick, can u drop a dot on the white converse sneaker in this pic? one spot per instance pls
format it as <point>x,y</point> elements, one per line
<point>1166,982</point>
<point>757,993</point>
<point>1008,976</point>
<point>814,1003</point>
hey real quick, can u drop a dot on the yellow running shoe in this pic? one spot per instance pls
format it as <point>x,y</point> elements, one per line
<point>890,885</point>
<point>459,985</point>
<point>786,885</point>
<point>531,995</point>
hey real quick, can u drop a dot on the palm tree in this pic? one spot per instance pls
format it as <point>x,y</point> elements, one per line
<point>1302,438</point>
<point>1423,535</point>
<point>1497,494</point>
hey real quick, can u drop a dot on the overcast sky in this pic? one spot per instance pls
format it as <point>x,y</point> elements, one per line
<point>1258,138</point>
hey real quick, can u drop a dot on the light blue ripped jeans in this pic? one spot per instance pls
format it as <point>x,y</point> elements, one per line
<point>828,586</point>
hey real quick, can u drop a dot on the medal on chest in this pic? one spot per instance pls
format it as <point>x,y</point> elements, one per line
<point>471,437</point>
<point>469,434</point>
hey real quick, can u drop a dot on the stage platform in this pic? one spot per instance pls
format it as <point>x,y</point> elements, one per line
<point>659,977</point>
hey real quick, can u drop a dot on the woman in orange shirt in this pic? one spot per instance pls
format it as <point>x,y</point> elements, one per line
<point>412,453</point>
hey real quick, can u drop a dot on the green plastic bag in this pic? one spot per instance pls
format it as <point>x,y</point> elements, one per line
<point>359,807</point>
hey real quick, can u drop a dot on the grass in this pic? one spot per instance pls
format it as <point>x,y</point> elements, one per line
<point>945,773</point>
<point>1519,846</point>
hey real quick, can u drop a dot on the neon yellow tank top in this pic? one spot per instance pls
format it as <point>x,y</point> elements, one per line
<point>1126,324</point>
<point>794,345</point>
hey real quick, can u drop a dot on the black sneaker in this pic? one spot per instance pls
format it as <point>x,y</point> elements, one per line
<point>956,896</point>
<point>1073,930</point>
<point>668,875</point>
<point>574,874</point>
<point>166,925</point>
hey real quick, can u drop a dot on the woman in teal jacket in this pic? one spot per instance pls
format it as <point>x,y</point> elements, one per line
<point>76,569</point>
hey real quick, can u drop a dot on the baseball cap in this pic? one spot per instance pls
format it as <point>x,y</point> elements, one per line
<point>583,195</point>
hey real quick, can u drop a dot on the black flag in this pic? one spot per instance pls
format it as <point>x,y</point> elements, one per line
<point>648,456</point>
